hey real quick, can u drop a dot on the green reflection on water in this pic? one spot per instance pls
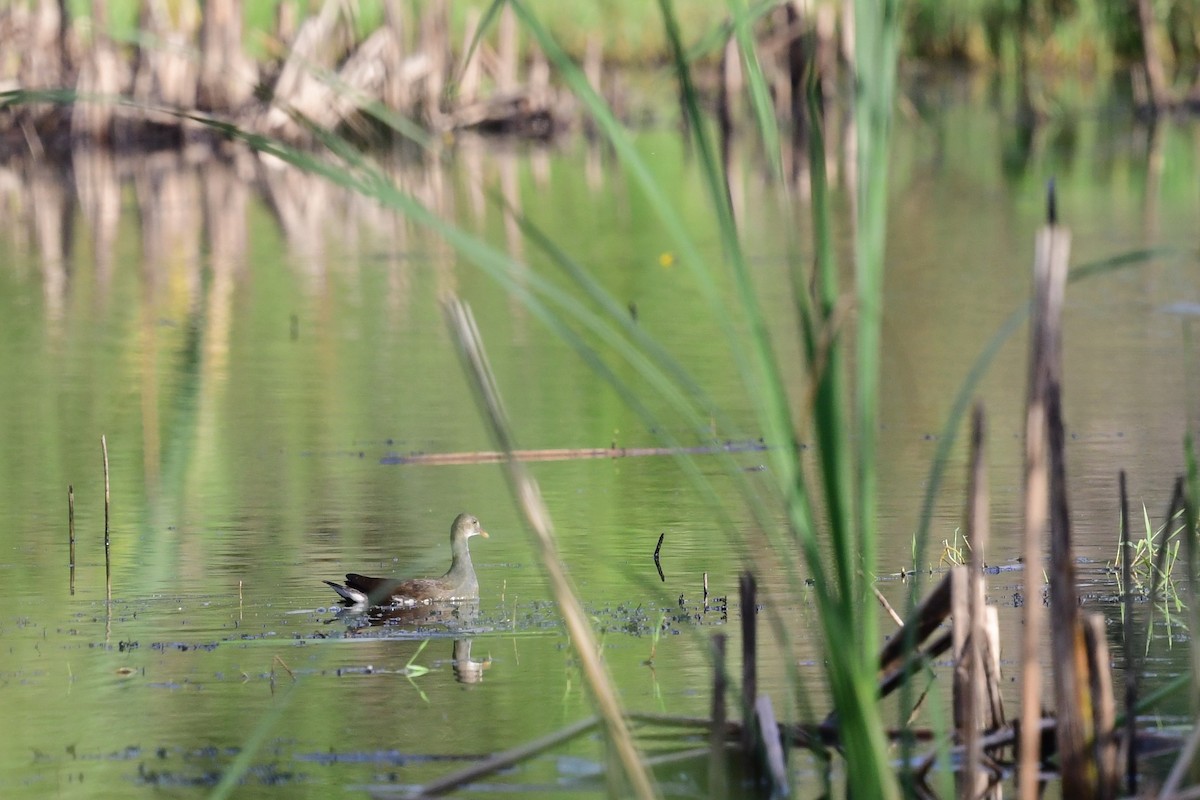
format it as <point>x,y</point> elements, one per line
<point>253,346</point>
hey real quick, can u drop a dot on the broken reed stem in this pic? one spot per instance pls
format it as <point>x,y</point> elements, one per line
<point>718,782</point>
<point>923,621</point>
<point>525,490</point>
<point>1076,722</point>
<point>1050,261</point>
<point>104,449</point>
<point>1131,677</point>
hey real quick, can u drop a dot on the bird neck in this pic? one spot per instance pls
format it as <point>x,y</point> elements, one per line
<point>460,563</point>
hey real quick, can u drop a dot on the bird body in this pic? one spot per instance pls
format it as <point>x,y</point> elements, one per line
<point>459,582</point>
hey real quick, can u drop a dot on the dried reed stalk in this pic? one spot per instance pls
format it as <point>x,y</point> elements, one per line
<point>1104,707</point>
<point>1076,730</point>
<point>1050,263</point>
<point>974,696</point>
<point>462,326</point>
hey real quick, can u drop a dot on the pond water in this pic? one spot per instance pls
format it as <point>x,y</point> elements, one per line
<point>258,347</point>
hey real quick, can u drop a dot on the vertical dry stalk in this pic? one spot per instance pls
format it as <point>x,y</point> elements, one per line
<point>960,629</point>
<point>1104,707</point>
<point>104,449</point>
<point>1076,728</point>
<point>747,590</point>
<point>718,782</point>
<point>974,695</point>
<point>1131,677</point>
<point>1050,262</point>
<point>537,517</point>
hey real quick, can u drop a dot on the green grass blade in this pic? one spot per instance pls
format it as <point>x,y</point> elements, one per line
<point>485,24</point>
<point>760,94</point>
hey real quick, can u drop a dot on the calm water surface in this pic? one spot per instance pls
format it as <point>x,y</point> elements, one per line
<point>257,346</point>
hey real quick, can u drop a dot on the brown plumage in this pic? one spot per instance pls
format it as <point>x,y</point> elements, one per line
<point>459,582</point>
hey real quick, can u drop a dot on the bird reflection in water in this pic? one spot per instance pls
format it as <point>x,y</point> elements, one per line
<point>466,669</point>
<point>435,618</point>
<point>443,615</point>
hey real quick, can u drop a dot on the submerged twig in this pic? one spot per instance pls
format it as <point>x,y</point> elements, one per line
<point>567,454</point>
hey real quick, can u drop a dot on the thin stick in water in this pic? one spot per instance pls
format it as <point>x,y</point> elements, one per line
<point>71,522</point>
<point>104,449</point>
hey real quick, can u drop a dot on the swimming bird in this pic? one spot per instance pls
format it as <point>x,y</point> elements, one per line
<point>459,582</point>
